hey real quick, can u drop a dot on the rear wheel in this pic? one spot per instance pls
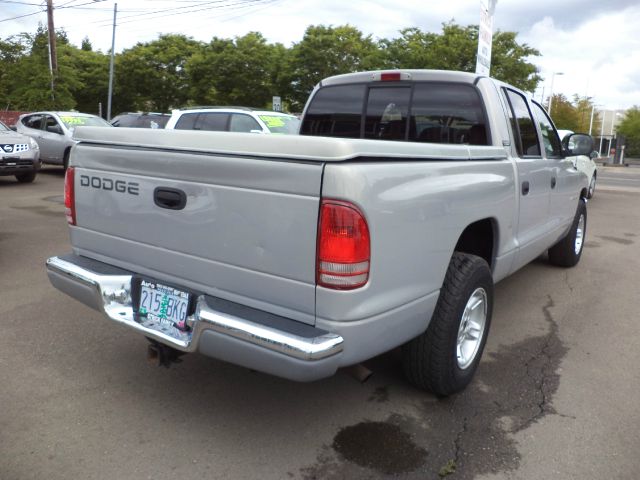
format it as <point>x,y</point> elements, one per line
<point>26,177</point>
<point>592,186</point>
<point>444,358</point>
<point>567,252</point>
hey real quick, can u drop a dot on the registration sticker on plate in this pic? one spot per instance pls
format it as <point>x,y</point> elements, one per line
<point>163,305</point>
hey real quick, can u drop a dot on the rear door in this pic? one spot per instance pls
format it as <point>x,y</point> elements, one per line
<point>32,126</point>
<point>534,180</point>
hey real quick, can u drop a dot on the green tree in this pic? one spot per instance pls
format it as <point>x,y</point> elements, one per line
<point>12,49</point>
<point>584,108</point>
<point>91,73</point>
<point>326,51</point>
<point>152,76</point>
<point>574,115</point>
<point>455,48</point>
<point>202,71</point>
<point>31,78</point>
<point>564,113</point>
<point>243,71</point>
<point>630,128</point>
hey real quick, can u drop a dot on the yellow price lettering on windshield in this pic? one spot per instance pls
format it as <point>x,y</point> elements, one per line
<point>272,121</point>
<point>73,120</point>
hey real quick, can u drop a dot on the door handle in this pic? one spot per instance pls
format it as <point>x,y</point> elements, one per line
<point>553,182</point>
<point>525,188</point>
<point>170,198</point>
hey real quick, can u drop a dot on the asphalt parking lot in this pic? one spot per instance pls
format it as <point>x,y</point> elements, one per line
<point>556,395</point>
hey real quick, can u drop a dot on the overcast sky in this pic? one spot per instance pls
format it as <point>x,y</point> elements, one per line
<point>595,43</point>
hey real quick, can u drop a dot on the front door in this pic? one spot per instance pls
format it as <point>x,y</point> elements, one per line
<point>52,141</point>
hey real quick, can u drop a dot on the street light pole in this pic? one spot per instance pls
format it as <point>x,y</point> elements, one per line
<point>113,46</point>
<point>593,107</point>
<point>604,115</point>
<point>553,76</point>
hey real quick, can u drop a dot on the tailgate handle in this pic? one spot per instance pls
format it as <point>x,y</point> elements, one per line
<point>170,198</point>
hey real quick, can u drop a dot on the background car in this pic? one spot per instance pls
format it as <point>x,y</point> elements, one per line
<point>582,162</point>
<point>233,119</point>
<point>141,120</point>
<point>19,155</point>
<point>54,132</point>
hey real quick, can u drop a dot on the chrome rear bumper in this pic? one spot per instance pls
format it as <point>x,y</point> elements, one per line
<point>218,328</point>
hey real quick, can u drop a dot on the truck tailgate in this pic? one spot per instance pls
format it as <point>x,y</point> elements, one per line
<point>247,232</point>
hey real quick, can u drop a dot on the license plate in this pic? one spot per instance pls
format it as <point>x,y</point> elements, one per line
<point>162,305</point>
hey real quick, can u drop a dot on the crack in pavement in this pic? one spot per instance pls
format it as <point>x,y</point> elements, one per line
<point>541,378</point>
<point>471,433</point>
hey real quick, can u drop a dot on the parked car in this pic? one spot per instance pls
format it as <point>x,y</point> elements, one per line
<point>141,120</point>
<point>298,255</point>
<point>19,155</point>
<point>54,132</point>
<point>583,163</point>
<point>233,119</point>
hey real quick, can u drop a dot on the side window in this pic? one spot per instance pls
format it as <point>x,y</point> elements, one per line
<point>524,129</point>
<point>335,112</point>
<point>186,121</point>
<point>214,122</point>
<point>243,123</point>
<point>447,113</point>
<point>33,121</point>
<point>550,139</point>
<point>387,112</point>
<point>51,125</point>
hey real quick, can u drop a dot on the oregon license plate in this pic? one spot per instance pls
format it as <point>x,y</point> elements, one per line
<point>163,305</point>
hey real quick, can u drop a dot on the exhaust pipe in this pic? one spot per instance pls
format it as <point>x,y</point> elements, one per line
<point>359,372</point>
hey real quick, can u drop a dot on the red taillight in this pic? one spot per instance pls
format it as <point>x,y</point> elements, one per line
<point>69,196</point>
<point>343,246</point>
<point>390,77</point>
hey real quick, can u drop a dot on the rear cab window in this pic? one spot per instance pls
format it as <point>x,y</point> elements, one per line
<point>335,111</point>
<point>431,112</point>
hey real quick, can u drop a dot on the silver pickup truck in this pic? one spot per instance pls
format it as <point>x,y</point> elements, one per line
<point>385,223</point>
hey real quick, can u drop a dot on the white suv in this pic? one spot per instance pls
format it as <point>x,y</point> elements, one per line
<point>233,119</point>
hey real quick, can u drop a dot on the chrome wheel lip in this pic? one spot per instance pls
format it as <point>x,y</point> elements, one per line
<point>577,246</point>
<point>471,329</point>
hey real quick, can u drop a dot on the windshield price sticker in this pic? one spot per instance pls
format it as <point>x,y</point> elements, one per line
<point>166,306</point>
<point>74,121</point>
<point>272,121</point>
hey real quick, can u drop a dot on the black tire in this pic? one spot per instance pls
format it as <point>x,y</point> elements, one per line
<point>65,159</point>
<point>592,186</point>
<point>27,177</point>
<point>567,252</point>
<point>431,360</point>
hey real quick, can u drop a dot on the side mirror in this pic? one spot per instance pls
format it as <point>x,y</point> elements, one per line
<point>594,155</point>
<point>578,144</point>
<point>14,128</point>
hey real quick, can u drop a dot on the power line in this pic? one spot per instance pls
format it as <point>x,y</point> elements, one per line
<point>184,10</point>
<point>21,16</point>
<point>21,3</point>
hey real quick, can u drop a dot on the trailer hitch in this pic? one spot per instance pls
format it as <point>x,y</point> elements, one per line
<point>161,355</point>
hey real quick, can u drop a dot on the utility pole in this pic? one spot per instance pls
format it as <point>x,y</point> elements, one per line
<point>113,46</point>
<point>53,59</point>
<point>52,36</point>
